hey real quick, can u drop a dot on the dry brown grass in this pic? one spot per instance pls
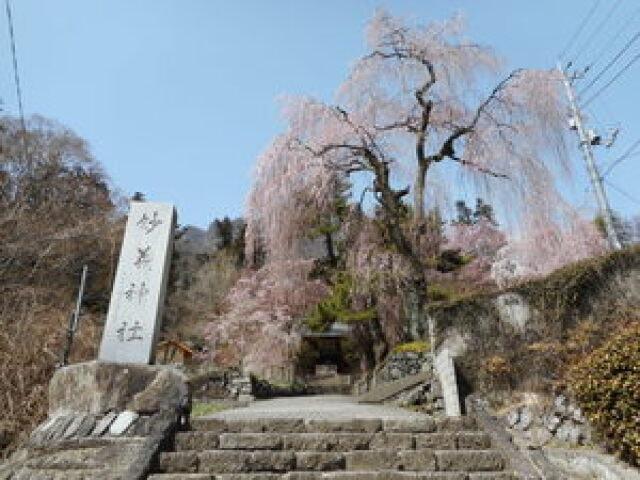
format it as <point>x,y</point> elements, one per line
<point>31,341</point>
<point>57,213</point>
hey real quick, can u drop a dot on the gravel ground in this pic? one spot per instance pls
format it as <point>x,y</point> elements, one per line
<point>329,407</point>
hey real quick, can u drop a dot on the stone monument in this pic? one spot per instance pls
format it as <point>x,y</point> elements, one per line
<point>137,298</point>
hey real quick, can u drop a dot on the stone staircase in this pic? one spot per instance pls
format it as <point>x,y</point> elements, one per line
<point>351,449</point>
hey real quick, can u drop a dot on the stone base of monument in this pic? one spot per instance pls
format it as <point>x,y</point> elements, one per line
<point>106,421</point>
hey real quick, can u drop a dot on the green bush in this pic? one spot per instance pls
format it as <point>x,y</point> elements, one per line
<point>606,385</point>
<point>337,307</point>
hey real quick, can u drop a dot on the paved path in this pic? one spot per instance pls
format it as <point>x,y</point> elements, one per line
<point>329,407</point>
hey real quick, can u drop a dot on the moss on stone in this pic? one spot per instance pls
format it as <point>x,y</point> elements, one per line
<point>419,346</point>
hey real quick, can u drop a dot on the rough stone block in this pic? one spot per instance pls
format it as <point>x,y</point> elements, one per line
<point>309,441</point>
<point>197,441</point>
<point>319,461</point>
<point>446,373</point>
<point>354,425</point>
<point>163,393</point>
<point>435,441</point>
<point>276,425</point>
<point>456,424</point>
<point>374,475</point>
<point>336,475</point>
<point>248,476</point>
<point>473,440</point>
<point>492,476</point>
<point>213,425</point>
<point>469,460</point>
<point>397,441</point>
<point>304,476</point>
<point>97,388</point>
<point>414,425</point>
<point>179,462</point>
<point>352,441</point>
<point>230,461</point>
<point>440,476</point>
<point>181,476</point>
<point>250,441</point>
<point>368,460</point>
<point>416,460</point>
<point>322,442</point>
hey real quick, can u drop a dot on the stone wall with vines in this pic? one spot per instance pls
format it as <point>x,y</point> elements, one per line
<point>519,338</point>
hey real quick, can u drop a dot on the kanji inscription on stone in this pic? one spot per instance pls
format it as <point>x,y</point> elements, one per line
<point>137,299</point>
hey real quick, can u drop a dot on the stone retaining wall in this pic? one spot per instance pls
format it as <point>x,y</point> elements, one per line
<point>398,365</point>
<point>534,425</point>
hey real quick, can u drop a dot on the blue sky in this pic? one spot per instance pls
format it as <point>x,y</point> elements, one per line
<point>178,97</point>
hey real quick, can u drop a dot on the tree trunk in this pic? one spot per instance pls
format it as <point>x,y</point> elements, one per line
<point>331,253</point>
<point>416,298</point>
<point>418,194</point>
<point>415,305</point>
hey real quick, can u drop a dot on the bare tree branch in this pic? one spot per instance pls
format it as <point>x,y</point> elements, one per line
<point>447,149</point>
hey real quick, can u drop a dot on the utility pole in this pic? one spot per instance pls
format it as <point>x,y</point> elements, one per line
<point>577,123</point>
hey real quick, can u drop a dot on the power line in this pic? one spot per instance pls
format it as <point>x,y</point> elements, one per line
<point>607,46</point>
<point>608,84</point>
<point>595,33</point>
<point>580,28</point>
<point>623,193</point>
<point>16,74</point>
<point>611,63</point>
<point>630,151</point>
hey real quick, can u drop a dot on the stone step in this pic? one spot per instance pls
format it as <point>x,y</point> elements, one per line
<point>201,440</point>
<point>299,425</point>
<point>426,460</point>
<point>239,461</point>
<point>338,475</point>
<point>53,474</point>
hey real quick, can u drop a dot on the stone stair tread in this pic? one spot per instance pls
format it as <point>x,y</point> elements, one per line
<point>180,476</point>
<point>57,474</point>
<point>330,441</point>
<point>338,475</point>
<point>244,461</point>
<point>417,424</point>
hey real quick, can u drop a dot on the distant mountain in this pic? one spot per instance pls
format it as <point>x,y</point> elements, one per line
<point>193,240</point>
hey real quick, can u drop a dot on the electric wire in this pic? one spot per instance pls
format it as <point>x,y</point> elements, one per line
<point>580,29</point>
<point>595,33</point>
<point>610,64</point>
<point>622,192</point>
<point>610,82</point>
<point>16,73</point>
<point>607,46</point>
<point>630,151</point>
